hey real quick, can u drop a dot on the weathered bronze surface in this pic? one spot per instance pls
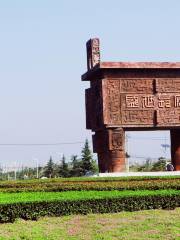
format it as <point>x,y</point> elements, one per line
<point>130,96</point>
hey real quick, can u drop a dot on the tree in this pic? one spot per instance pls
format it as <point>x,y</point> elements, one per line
<point>87,159</point>
<point>77,169</point>
<point>1,173</point>
<point>63,169</point>
<point>49,169</point>
<point>146,167</point>
<point>95,166</point>
<point>160,165</point>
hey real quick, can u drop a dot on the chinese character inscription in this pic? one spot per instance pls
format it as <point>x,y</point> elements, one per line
<point>142,101</point>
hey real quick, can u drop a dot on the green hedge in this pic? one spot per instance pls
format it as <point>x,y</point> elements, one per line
<point>83,179</point>
<point>8,198</point>
<point>58,186</point>
<point>34,210</point>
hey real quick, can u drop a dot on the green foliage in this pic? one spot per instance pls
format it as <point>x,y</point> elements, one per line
<point>149,166</point>
<point>87,159</point>
<point>77,169</point>
<point>77,195</point>
<point>160,165</point>
<point>63,169</point>
<point>131,201</point>
<point>57,197</point>
<point>88,179</point>
<point>59,185</point>
<point>24,173</point>
<point>146,224</point>
<point>95,167</point>
<point>49,169</point>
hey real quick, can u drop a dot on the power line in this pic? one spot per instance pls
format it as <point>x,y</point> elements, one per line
<point>78,142</point>
<point>144,157</point>
<point>40,144</point>
<point>147,138</point>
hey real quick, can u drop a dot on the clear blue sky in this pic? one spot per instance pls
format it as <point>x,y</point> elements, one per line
<point>42,56</point>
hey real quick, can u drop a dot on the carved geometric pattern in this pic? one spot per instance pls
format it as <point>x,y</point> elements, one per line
<point>177,100</point>
<point>137,106</point>
<point>109,139</point>
<point>93,53</point>
<point>116,140</point>
<point>137,85</point>
<point>168,85</point>
<point>168,117</point>
<point>113,105</point>
<point>139,117</point>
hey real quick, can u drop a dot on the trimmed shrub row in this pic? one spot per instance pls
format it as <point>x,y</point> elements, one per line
<point>34,210</point>
<point>8,198</point>
<point>84,179</point>
<point>58,186</point>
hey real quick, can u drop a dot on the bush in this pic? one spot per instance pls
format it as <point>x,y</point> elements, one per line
<point>34,210</point>
<point>59,186</point>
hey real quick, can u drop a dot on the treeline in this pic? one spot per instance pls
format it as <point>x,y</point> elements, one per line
<point>149,166</point>
<point>86,165</point>
<point>76,167</point>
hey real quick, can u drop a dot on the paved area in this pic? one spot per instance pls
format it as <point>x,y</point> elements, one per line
<point>136,174</point>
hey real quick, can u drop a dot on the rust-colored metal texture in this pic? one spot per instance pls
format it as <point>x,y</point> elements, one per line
<point>130,96</point>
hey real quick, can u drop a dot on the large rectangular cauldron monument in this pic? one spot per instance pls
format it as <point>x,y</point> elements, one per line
<point>126,97</point>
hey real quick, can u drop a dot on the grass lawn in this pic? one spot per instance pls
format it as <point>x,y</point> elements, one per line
<point>151,224</point>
